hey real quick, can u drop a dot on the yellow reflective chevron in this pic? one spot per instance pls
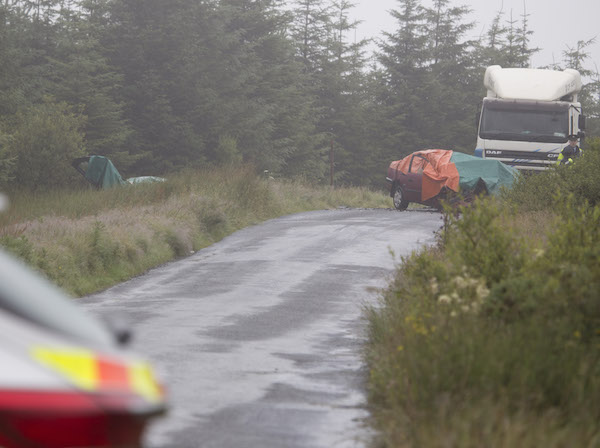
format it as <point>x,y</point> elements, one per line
<point>78,365</point>
<point>142,381</point>
<point>93,373</point>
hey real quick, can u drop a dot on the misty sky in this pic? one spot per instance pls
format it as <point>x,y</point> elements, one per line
<point>555,23</point>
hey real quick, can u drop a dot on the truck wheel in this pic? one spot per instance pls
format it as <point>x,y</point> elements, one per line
<point>399,202</point>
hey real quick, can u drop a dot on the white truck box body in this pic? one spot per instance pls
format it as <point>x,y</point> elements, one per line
<point>531,84</point>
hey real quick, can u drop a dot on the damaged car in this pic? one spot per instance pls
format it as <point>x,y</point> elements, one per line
<point>430,176</point>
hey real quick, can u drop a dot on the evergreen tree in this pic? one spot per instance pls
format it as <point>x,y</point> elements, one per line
<point>404,59</point>
<point>342,97</point>
<point>576,57</point>
<point>523,41</point>
<point>147,41</point>
<point>12,30</point>
<point>507,42</point>
<point>310,30</point>
<point>7,162</point>
<point>490,48</point>
<point>269,116</point>
<point>82,77</point>
<point>452,80</point>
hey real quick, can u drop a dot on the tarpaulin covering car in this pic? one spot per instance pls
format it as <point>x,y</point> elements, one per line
<point>428,175</point>
<point>101,173</point>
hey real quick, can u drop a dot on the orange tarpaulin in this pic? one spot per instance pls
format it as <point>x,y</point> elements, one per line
<point>438,171</point>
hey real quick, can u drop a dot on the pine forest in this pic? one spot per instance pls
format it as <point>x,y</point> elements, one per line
<point>282,86</point>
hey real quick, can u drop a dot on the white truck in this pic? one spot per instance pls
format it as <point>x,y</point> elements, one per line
<point>528,114</point>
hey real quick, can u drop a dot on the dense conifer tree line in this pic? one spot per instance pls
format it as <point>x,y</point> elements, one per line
<point>160,85</point>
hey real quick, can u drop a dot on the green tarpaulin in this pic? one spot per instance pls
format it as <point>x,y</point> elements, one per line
<point>493,173</point>
<point>102,173</point>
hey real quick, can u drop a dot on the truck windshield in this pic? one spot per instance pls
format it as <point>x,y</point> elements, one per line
<point>531,122</point>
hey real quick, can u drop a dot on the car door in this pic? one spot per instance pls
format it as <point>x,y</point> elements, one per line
<point>413,180</point>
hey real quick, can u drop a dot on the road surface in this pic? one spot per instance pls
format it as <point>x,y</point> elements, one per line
<point>258,337</point>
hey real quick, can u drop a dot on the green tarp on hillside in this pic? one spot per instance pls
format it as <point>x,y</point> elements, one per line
<point>102,173</point>
<point>493,173</point>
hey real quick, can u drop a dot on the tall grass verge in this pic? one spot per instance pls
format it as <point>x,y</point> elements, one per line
<point>493,338</point>
<point>86,240</point>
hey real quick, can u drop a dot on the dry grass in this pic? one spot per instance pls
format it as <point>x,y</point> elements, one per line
<point>87,240</point>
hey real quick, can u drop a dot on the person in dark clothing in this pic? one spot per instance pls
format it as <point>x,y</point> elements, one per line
<point>570,152</point>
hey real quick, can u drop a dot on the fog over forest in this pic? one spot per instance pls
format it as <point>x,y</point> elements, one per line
<point>159,86</point>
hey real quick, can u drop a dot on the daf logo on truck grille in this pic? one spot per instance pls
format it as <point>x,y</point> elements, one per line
<point>491,152</point>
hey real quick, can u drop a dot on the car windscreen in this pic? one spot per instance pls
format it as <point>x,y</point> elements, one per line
<point>525,121</point>
<point>29,296</point>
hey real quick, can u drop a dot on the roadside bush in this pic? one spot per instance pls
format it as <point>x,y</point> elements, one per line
<point>44,141</point>
<point>21,247</point>
<point>491,324</point>
<point>176,243</point>
<point>478,239</point>
<point>582,179</point>
<point>101,251</point>
<point>537,191</point>
<point>534,191</point>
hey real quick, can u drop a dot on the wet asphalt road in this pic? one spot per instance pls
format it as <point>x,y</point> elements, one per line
<point>258,337</point>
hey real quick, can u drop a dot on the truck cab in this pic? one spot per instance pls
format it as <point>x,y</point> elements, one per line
<point>527,115</point>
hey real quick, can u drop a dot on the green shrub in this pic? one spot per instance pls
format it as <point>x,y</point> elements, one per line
<point>489,324</point>
<point>582,179</point>
<point>536,191</point>
<point>478,238</point>
<point>102,252</point>
<point>20,247</point>
<point>176,243</point>
<point>44,140</point>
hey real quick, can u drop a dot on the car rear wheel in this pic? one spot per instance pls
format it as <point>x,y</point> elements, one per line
<point>399,200</point>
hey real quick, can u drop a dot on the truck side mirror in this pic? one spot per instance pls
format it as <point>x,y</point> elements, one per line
<point>582,122</point>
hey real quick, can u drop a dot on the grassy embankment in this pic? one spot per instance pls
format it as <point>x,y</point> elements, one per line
<point>88,240</point>
<point>492,338</point>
